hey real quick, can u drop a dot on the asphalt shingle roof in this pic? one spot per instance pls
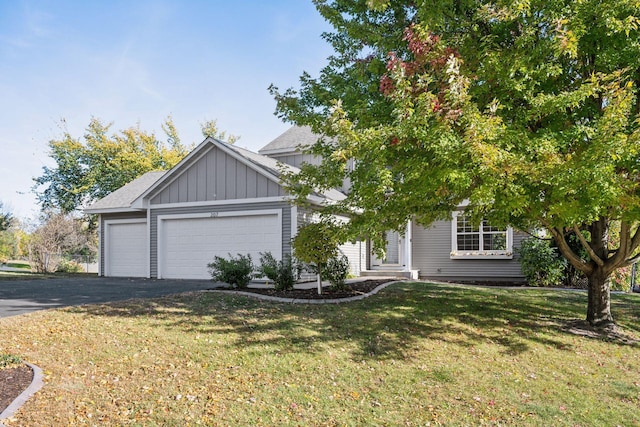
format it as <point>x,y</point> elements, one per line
<point>122,198</point>
<point>297,136</point>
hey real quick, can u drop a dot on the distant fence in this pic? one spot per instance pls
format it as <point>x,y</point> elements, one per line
<point>87,263</point>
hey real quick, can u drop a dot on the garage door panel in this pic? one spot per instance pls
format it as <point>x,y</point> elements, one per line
<point>189,244</point>
<point>126,250</point>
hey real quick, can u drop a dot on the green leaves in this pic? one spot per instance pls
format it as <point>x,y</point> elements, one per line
<point>527,110</point>
<point>99,163</point>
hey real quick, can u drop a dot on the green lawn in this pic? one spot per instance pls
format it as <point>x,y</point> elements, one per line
<point>415,354</point>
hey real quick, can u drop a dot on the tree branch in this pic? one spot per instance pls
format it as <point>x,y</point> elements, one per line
<point>631,261</point>
<point>567,252</point>
<point>635,241</point>
<point>622,252</point>
<point>588,247</point>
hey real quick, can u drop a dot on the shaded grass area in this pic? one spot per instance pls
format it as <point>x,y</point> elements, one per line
<point>415,354</point>
<point>28,275</point>
<point>18,264</point>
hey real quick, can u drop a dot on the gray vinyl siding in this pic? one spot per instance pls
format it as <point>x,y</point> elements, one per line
<point>286,223</point>
<point>355,252</point>
<point>296,159</point>
<point>432,251</point>
<point>216,176</point>
<point>109,217</point>
<point>357,255</point>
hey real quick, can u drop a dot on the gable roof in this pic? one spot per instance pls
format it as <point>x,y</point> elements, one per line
<point>131,196</point>
<point>274,167</point>
<point>291,140</point>
<point>122,199</point>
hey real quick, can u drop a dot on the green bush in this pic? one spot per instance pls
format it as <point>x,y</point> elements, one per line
<point>284,273</point>
<point>235,271</point>
<point>336,271</point>
<point>69,266</point>
<point>541,263</point>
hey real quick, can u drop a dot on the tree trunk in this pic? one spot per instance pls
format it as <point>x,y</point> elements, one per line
<point>319,280</point>
<point>599,303</point>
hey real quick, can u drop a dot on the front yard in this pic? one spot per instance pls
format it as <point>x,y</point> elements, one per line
<point>415,354</point>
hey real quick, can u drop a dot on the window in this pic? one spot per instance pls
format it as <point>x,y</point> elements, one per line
<point>484,241</point>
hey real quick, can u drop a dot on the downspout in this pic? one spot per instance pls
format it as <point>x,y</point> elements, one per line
<point>408,262</point>
<point>100,246</point>
<point>148,257</point>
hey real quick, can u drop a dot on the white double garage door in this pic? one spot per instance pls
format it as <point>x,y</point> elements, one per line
<point>187,243</point>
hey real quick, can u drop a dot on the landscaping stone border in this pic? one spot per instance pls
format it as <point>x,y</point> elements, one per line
<point>36,384</point>
<point>309,301</point>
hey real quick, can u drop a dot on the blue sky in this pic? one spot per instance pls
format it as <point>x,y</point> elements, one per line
<point>138,61</point>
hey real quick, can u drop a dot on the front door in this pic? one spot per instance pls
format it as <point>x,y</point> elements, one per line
<point>393,257</point>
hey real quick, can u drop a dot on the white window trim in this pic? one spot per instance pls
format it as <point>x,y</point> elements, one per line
<point>455,254</point>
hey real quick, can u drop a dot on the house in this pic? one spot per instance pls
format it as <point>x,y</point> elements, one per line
<point>223,199</point>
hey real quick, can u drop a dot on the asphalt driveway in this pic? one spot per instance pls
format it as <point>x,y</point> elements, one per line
<point>23,296</point>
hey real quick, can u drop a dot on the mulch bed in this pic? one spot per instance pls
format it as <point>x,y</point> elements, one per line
<point>13,381</point>
<point>351,290</point>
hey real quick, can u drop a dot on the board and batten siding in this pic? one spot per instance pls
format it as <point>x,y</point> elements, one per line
<point>102,236</point>
<point>432,256</point>
<point>296,159</point>
<point>286,223</point>
<point>216,175</point>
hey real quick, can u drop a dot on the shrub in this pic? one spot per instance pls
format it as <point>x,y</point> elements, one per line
<point>541,263</point>
<point>235,271</point>
<point>336,271</point>
<point>283,273</point>
<point>69,266</point>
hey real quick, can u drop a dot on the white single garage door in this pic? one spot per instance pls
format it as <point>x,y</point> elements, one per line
<point>187,245</point>
<point>126,249</point>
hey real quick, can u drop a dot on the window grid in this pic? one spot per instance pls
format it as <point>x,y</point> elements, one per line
<point>485,238</point>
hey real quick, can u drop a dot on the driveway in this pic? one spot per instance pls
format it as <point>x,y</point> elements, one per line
<point>24,296</point>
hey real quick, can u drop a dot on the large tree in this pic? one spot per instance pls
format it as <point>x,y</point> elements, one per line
<point>527,111</point>
<point>101,161</point>
<point>361,42</point>
<point>89,168</point>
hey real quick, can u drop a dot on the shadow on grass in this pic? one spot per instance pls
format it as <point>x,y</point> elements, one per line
<point>390,325</point>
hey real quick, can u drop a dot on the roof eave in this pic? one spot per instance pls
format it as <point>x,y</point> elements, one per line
<point>289,150</point>
<point>111,210</point>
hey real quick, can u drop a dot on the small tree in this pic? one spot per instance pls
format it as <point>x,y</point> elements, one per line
<point>316,244</point>
<point>5,218</point>
<point>10,235</point>
<point>58,234</point>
